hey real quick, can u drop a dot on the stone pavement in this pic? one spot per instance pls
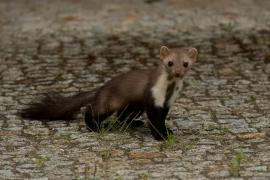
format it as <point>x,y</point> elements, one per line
<point>221,122</point>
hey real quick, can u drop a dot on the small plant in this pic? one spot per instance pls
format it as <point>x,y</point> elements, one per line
<point>41,159</point>
<point>216,129</point>
<point>114,124</point>
<point>228,27</point>
<point>63,139</point>
<point>253,99</point>
<point>119,178</point>
<point>176,142</point>
<point>84,178</point>
<point>141,144</point>
<point>145,176</point>
<point>108,126</point>
<point>171,140</point>
<point>106,154</point>
<point>236,162</point>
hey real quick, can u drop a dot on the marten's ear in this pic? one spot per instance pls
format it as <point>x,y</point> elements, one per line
<point>164,52</point>
<point>193,53</point>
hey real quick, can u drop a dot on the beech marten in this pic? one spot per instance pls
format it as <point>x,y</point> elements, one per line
<point>129,95</point>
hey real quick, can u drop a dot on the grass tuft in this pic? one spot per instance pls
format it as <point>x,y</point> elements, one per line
<point>145,176</point>
<point>216,129</point>
<point>228,27</point>
<point>40,160</point>
<point>236,162</point>
<point>176,142</point>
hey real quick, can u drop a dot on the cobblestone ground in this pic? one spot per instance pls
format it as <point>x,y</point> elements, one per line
<point>221,122</point>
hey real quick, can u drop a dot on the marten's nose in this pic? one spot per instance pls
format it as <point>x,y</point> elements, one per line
<point>178,73</point>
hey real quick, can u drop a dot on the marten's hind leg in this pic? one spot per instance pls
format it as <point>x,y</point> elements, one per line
<point>127,115</point>
<point>93,118</point>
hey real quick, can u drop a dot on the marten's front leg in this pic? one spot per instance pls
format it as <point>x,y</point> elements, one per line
<point>157,116</point>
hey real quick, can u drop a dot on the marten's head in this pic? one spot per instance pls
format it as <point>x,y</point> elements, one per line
<point>177,61</point>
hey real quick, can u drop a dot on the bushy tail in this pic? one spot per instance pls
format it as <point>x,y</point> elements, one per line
<point>56,107</point>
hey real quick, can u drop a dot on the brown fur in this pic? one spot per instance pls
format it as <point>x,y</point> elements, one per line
<point>117,95</point>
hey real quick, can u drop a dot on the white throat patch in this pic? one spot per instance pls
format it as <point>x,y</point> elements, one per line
<point>159,90</point>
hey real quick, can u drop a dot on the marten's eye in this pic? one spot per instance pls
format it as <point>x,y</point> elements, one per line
<point>185,64</point>
<point>170,63</point>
